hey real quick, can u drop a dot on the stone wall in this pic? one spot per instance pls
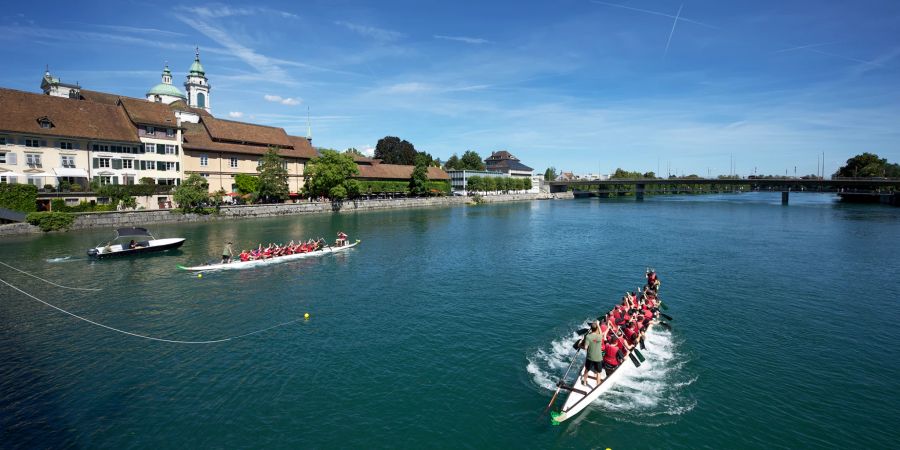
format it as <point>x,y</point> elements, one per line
<point>109,220</point>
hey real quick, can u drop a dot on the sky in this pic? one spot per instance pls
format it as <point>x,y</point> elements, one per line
<point>669,86</point>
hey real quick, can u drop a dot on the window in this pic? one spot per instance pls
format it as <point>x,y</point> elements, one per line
<point>4,179</point>
<point>165,181</point>
<point>32,142</point>
<point>34,181</point>
<point>45,123</point>
<point>201,100</point>
<point>170,150</point>
<point>67,161</point>
<point>65,146</point>
<point>149,148</point>
<point>72,201</point>
<point>100,148</point>
<point>2,140</point>
<point>2,158</point>
<point>103,162</point>
<point>204,175</point>
<point>170,132</point>
<point>151,131</point>
<point>128,164</point>
<point>204,160</point>
<point>171,166</point>
<point>284,165</point>
<point>104,179</point>
<point>234,162</point>
<point>129,179</point>
<point>33,160</point>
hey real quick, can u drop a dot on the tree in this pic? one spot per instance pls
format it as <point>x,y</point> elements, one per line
<point>147,181</point>
<point>246,184</point>
<point>419,179</point>
<point>273,177</point>
<point>550,174</point>
<point>650,175</point>
<point>471,161</point>
<point>474,184</point>
<point>330,174</point>
<point>352,151</point>
<point>868,165</point>
<point>392,150</point>
<point>526,184</point>
<point>191,193</point>
<point>452,163</point>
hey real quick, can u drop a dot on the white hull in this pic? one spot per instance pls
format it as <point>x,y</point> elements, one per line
<point>577,401</point>
<point>265,262</point>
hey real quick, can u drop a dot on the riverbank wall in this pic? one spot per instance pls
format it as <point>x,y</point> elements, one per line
<point>109,220</point>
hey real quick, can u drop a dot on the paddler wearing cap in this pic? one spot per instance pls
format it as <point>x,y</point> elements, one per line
<point>227,253</point>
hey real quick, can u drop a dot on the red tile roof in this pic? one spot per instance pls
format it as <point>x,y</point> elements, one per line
<point>70,117</point>
<point>150,113</point>
<point>197,138</point>
<point>397,172</point>
<point>228,130</point>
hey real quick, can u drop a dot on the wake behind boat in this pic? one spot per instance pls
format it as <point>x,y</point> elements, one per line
<point>612,345</point>
<point>116,247</point>
<point>273,260</point>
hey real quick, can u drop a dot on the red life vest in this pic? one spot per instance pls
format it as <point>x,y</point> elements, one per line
<point>609,354</point>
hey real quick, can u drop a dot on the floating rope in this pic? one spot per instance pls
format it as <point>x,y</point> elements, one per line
<point>50,282</point>
<point>172,341</point>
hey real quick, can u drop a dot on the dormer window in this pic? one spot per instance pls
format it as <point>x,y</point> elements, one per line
<point>151,130</point>
<point>45,122</point>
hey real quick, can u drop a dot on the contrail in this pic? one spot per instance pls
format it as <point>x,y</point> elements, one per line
<point>802,47</point>
<point>655,13</point>
<point>674,23</point>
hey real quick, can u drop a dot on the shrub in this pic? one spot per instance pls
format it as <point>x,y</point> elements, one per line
<point>18,197</point>
<point>51,221</point>
<point>49,187</point>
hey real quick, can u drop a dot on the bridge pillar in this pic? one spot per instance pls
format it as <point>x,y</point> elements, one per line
<point>784,197</point>
<point>556,189</point>
<point>639,192</point>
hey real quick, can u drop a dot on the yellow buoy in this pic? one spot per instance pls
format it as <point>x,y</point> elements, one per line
<point>199,275</point>
<point>306,316</point>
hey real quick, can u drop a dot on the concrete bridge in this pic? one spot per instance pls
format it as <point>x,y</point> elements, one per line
<point>864,186</point>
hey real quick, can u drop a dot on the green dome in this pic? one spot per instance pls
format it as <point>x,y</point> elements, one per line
<point>166,89</point>
<point>196,67</point>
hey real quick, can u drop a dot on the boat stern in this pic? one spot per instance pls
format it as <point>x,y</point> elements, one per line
<point>93,253</point>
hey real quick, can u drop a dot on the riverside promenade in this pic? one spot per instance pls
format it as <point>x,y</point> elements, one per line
<point>146,217</point>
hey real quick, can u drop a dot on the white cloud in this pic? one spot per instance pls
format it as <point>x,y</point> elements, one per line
<point>409,88</point>
<point>371,32</point>
<point>368,150</point>
<point>215,11</point>
<point>466,39</point>
<point>235,114</point>
<point>283,100</point>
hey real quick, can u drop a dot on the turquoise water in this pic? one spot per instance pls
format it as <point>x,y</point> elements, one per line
<point>447,328</point>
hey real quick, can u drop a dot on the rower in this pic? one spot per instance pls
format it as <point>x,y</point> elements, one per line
<point>593,344</point>
<point>611,355</point>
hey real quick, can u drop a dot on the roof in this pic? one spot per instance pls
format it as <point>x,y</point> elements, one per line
<point>196,67</point>
<point>70,118</point>
<point>197,138</point>
<point>508,164</point>
<point>99,97</point>
<point>240,132</point>
<point>166,89</point>
<point>501,155</point>
<point>397,172</point>
<point>302,147</point>
<point>180,105</point>
<point>151,113</point>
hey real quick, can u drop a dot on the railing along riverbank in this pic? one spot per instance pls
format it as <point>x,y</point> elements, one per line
<point>116,219</point>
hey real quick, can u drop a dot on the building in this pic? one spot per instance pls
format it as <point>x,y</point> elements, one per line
<point>371,169</point>
<point>459,178</point>
<point>70,137</point>
<point>505,162</point>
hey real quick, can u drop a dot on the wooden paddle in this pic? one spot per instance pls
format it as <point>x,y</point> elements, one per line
<point>559,384</point>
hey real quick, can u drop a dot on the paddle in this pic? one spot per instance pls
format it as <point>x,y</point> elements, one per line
<point>665,325</point>
<point>559,384</point>
<point>668,317</point>
<point>633,359</point>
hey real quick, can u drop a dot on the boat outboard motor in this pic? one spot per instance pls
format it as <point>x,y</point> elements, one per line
<point>92,252</point>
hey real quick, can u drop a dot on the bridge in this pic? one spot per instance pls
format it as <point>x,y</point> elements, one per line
<point>849,186</point>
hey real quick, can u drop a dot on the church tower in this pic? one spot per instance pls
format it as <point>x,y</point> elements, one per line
<point>196,85</point>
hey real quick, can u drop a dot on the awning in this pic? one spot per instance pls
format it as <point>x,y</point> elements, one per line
<point>39,174</point>
<point>11,174</point>
<point>70,172</point>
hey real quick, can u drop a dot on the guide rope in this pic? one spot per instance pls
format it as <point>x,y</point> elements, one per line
<point>172,341</point>
<point>50,282</point>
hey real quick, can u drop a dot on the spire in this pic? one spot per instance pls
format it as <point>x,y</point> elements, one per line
<point>308,126</point>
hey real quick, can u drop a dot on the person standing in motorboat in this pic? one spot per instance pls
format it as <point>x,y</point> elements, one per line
<point>227,253</point>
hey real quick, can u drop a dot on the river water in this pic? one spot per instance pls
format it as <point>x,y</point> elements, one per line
<point>447,328</point>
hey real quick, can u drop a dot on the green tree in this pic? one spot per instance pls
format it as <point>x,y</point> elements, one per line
<point>147,181</point>
<point>526,184</point>
<point>330,174</point>
<point>191,193</point>
<point>246,184</point>
<point>867,165</point>
<point>620,174</point>
<point>550,174</point>
<point>352,151</point>
<point>393,150</point>
<point>471,161</point>
<point>419,179</point>
<point>650,175</point>
<point>490,184</point>
<point>273,177</point>
<point>452,163</point>
<point>475,184</point>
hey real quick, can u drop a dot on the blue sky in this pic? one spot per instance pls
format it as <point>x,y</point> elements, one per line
<point>581,85</point>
